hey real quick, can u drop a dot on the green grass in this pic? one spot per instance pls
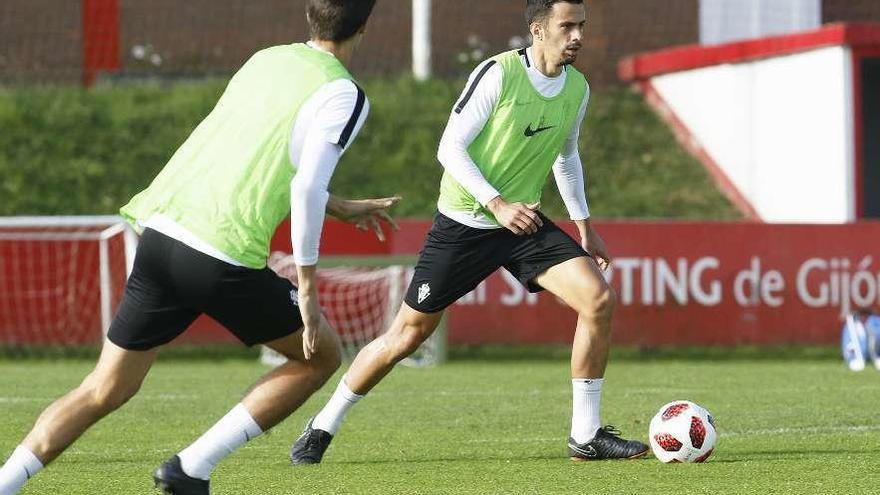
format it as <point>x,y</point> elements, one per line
<point>475,426</point>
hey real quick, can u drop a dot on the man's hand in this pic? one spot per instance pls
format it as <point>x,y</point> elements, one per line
<point>307,297</point>
<point>593,244</point>
<point>364,213</point>
<point>519,218</point>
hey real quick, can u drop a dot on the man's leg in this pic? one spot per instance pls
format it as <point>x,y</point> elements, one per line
<point>115,379</point>
<point>409,329</point>
<point>268,402</point>
<point>454,260</point>
<point>580,284</point>
<point>281,391</point>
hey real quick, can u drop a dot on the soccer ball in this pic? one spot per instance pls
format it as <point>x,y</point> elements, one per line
<point>682,431</point>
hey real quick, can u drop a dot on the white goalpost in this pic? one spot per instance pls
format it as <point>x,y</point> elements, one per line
<point>61,277</point>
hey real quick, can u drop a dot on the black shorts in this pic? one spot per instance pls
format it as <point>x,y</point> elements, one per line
<point>456,258</point>
<point>172,284</point>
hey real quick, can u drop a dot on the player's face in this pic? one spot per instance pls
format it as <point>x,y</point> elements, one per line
<point>565,31</point>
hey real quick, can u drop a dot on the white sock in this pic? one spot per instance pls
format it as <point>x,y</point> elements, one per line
<point>330,418</point>
<point>231,432</point>
<point>586,396</point>
<point>21,466</point>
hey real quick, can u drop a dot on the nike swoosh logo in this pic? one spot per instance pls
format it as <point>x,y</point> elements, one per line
<point>529,132</point>
<point>306,431</point>
<point>28,473</point>
<point>590,451</point>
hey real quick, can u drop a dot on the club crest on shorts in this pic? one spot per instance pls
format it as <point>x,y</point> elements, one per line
<point>424,292</point>
<point>294,296</point>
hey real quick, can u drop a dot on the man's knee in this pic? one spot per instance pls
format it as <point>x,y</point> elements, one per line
<point>108,394</point>
<point>324,362</point>
<point>407,338</point>
<point>598,303</point>
<point>330,361</point>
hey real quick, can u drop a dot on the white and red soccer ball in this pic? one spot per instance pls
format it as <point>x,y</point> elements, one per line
<point>682,431</point>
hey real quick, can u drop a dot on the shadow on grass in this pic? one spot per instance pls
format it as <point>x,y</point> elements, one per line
<point>451,459</point>
<point>754,456</point>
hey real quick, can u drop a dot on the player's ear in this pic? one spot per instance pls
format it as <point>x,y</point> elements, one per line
<point>537,31</point>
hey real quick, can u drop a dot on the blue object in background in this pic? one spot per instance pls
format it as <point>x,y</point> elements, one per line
<point>860,341</point>
<point>872,328</point>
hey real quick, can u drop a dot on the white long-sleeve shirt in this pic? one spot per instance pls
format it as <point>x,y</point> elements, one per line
<point>326,125</point>
<point>471,114</point>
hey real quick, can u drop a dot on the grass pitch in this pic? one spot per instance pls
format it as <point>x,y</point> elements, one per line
<point>477,427</point>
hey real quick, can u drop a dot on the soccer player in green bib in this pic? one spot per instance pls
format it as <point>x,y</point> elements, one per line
<point>268,149</point>
<point>518,118</point>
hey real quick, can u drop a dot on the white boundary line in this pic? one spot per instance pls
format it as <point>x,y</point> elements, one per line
<point>815,430</point>
<point>60,221</point>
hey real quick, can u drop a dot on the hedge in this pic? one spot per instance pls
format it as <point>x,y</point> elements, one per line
<point>66,151</point>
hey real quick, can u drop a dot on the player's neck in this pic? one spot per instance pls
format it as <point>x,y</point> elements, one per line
<point>544,63</point>
<point>343,51</point>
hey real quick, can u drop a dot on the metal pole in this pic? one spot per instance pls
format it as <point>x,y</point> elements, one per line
<point>421,42</point>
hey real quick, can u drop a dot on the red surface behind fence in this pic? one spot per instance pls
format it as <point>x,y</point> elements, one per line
<point>678,283</point>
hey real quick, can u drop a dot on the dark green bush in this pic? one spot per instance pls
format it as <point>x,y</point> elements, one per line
<point>65,151</point>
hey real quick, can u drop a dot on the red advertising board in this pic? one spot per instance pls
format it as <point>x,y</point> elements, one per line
<point>678,284</point>
<point>701,284</point>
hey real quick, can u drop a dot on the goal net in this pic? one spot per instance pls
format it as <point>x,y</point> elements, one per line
<point>61,278</point>
<point>360,302</point>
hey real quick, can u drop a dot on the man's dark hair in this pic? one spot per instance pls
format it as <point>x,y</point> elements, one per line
<point>337,20</point>
<point>539,10</point>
